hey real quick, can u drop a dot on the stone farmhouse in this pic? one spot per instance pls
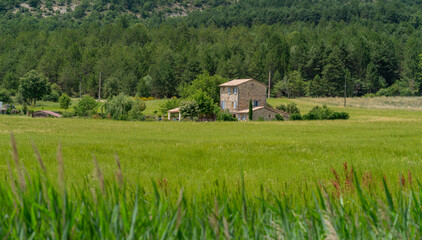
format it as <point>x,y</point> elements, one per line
<point>236,94</point>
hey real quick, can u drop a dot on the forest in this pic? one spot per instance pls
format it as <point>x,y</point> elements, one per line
<point>157,48</point>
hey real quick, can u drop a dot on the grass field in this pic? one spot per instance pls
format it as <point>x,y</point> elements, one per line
<point>283,156</point>
<point>240,180</point>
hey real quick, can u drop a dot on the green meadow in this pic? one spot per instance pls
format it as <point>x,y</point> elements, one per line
<point>286,157</point>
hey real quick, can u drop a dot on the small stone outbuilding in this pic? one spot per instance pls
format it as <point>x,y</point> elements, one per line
<point>261,113</point>
<point>46,114</point>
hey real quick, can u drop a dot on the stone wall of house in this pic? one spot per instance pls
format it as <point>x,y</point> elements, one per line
<point>263,114</point>
<point>251,90</point>
<point>229,99</point>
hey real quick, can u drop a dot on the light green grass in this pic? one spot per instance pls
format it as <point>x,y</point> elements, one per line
<point>280,155</point>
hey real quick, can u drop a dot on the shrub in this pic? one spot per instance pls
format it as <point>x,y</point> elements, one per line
<point>68,114</point>
<point>250,110</point>
<point>295,117</point>
<point>19,98</point>
<point>281,107</point>
<point>322,113</point>
<point>340,115</point>
<point>86,106</point>
<point>52,97</point>
<point>5,96</point>
<point>318,113</point>
<point>225,116</point>
<point>119,106</point>
<point>138,107</point>
<point>292,108</point>
<point>65,101</point>
<point>205,102</point>
<point>189,109</point>
<point>24,108</point>
<point>278,117</point>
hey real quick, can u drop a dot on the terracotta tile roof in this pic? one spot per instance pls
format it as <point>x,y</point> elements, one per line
<point>235,82</point>
<point>52,113</point>
<point>174,110</point>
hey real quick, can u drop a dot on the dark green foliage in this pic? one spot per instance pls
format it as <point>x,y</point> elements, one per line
<point>295,116</point>
<point>206,83</point>
<point>324,113</point>
<point>144,87</point>
<point>54,95</point>
<point>204,101</point>
<point>5,96</point>
<point>135,113</point>
<point>86,107</point>
<point>281,107</point>
<point>33,86</point>
<point>250,110</point>
<point>24,108</point>
<point>312,49</point>
<point>340,115</point>
<point>65,101</point>
<point>225,116</point>
<point>278,117</point>
<point>119,106</point>
<point>290,108</point>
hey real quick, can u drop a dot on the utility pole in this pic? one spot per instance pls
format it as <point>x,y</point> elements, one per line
<point>99,89</point>
<point>80,87</point>
<point>345,91</point>
<point>269,85</point>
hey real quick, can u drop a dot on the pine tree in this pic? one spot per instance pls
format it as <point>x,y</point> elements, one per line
<point>250,110</point>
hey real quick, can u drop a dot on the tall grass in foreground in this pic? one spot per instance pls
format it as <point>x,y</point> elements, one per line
<point>36,207</point>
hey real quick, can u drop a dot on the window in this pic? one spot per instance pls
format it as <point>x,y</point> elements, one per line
<point>229,91</point>
<point>234,90</point>
<point>234,105</point>
<point>244,117</point>
<point>255,103</point>
<point>223,105</point>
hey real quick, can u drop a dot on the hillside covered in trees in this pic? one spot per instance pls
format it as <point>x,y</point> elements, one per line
<point>156,48</point>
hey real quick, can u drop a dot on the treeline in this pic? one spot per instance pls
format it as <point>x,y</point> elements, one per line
<point>315,58</point>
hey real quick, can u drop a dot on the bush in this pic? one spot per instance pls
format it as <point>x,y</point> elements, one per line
<point>189,109</point>
<point>19,98</point>
<point>281,107</point>
<point>24,108</point>
<point>86,107</point>
<point>318,113</point>
<point>138,107</point>
<point>295,117</point>
<point>65,101</point>
<point>225,116</point>
<point>5,96</point>
<point>323,113</point>
<point>278,117</point>
<point>68,114</point>
<point>340,115</point>
<point>52,97</point>
<point>290,108</point>
<point>119,106</point>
